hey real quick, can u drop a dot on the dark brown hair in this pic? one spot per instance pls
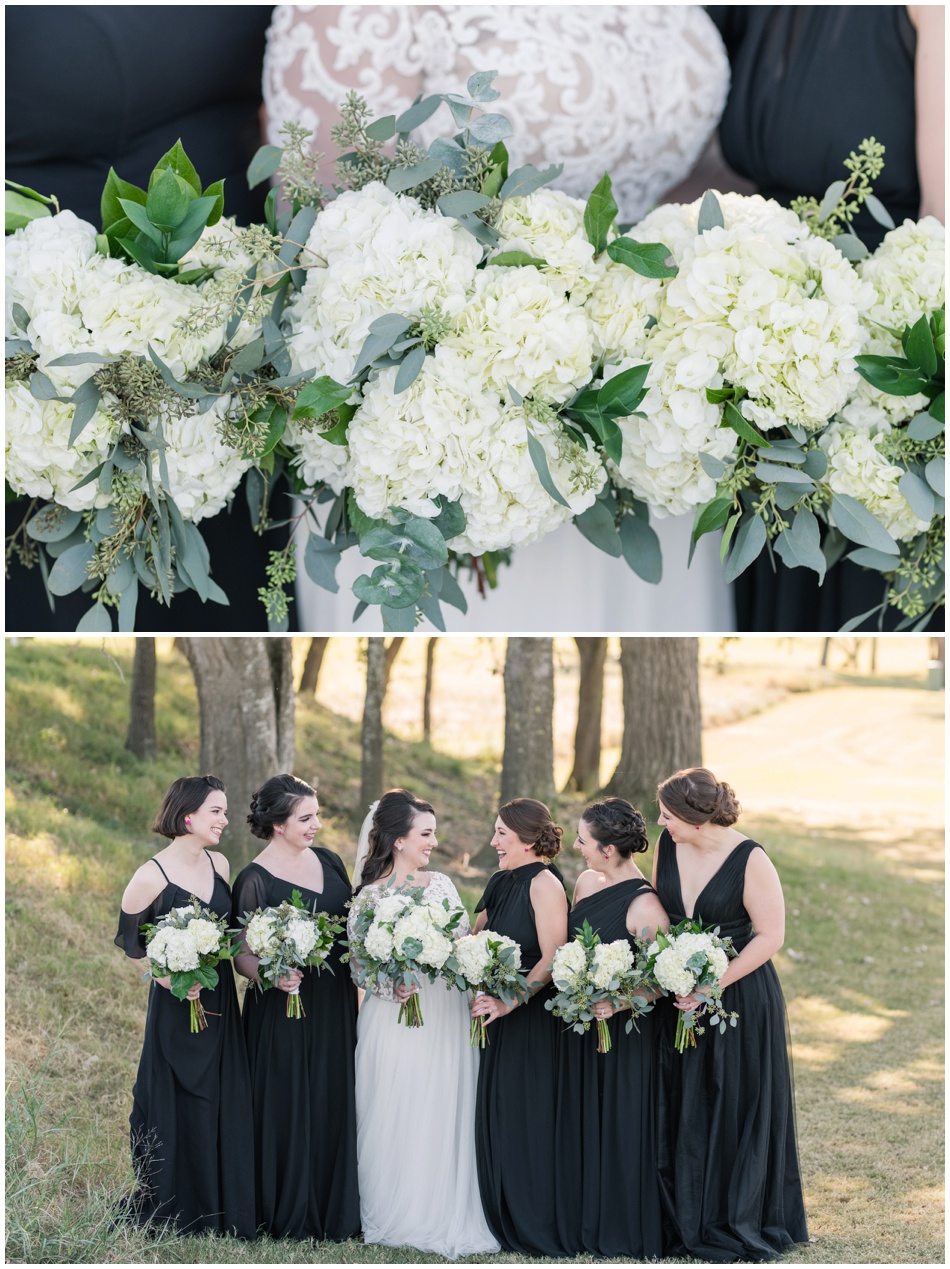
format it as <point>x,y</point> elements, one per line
<point>532,821</point>
<point>392,819</point>
<point>697,797</point>
<point>183,798</point>
<point>617,822</point>
<point>275,802</point>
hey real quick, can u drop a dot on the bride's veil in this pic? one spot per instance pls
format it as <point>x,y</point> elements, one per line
<point>362,850</point>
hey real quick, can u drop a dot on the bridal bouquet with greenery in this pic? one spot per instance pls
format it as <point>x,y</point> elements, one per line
<point>586,971</point>
<point>186,945</point>
<point>691,959</point>
<point>488,964</point>
<point>287,937</point>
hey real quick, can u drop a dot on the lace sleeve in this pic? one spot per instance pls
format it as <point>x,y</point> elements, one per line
<point>445,889</point>
<point>317,53</point>
<point>383,988</point>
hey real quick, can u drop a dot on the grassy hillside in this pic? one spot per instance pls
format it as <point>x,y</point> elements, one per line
<point>861,968</point>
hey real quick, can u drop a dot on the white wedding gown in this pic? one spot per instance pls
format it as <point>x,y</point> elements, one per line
<point>415,1117</point>
<point>635,90</point>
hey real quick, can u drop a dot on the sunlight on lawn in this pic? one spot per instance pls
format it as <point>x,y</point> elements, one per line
<point>39,861</point>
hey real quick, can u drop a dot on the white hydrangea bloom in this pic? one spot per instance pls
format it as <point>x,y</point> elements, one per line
<point>205,933</point>
<point>856,466</point>
<point>177,951</point>
<point>611,960</point>
<point>671,973</point>
<point>39,460</point>
<point>619,306</point>
<point>392,906</point>
<point>319,462</point>
<point>203,471</point>
<point>549,225</point>
<point>302,936</point>
<point>45,262</point>
<point>261,933</point>
<point>473,956</point>
<point>569,966</point>
<point>379,942</point>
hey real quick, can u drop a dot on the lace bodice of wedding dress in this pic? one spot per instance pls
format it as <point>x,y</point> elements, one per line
<point>634,90</point>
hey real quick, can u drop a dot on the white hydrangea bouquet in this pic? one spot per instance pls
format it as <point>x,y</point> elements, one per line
<point>399,936</point>
<point>289,936</point>
<point>488,964</point>
<point>689,959</point>
<point>187,944</point>
<point>757,417</point>
<point>586,970</point>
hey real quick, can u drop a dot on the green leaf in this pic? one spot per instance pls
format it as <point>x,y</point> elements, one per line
<point>418,113</point>
<point>168,201</point>
<point>920,347</point>
<point>919,495</point>
<point>87,399</point>
<point>399,619</point>
<point>140,219</point>
<point>53,523</point>
<point>215,191</point>
<point>641,548</point>
<point>815,464</point>
<point>715,468</point>
<point>769,473</point>
<point>727,533</point>
<point>449,590</point>
<point>69,571</point>
<point>711,517</point>
<point>597,525</point>
<point>264,164</point>
<point>867,557</point>
<point>934,471</point>
<point>731,417</point>
<point>788,495</point>
<point>178,162</point>
<point>128,601</point>
<point>859,525</point>
<point>115,189</point>
<point>830,200</point>
<point>540,460</point>
<point>463,200</point>
<point>650,259</point>
<point>43,388</point>
<point>429,606</point>
<point>320,560</point>
<point>620,396</point>
<point>782,452</point>
<point>315,399</point>
<point>801,545</point>
<point>401,179</point>
<point>851,248</point>
<point>95,620</point>
<point>922,427</point>
<point>478,86</point>
<point>415,537</point>
<point>397,584</point>
<point>190,390</point>
<point>19,211</point>
<point>525,180</point>
<point>489,129</point>
<point>382,129</point>
<point>879,211</point>
<point>409,368</point>
<point>749,541</point>
<point>599,214</point>
<point>507,258</point>
<point>710,213</point>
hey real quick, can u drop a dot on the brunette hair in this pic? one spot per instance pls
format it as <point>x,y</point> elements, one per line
<point>697,797</point>
<point>532,821</point>
<point>274,803</point>
<point>617,822</point>
<point>184,797</point>
<point>392,819</point>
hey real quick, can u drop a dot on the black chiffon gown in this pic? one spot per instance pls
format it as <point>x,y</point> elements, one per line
<point>94,86</point>
<point>189,1145</point>
<point>302,1077</point>
<point>729,1175</point>
<point>517,1088</point>
<point>809,83</point>
<point>607,1193</point>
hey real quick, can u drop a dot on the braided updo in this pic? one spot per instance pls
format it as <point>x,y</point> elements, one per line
<point>697,797</point>
<point>617,822</point>
<point>274,803</point>
<point>532,822</point>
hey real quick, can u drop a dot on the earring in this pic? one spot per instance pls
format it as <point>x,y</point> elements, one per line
<point>280,832</point>
<point>187,823</point>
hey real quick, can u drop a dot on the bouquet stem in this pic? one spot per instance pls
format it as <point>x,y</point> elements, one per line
<point>478,1033</point>
<point>603,1036</point>
<point>198,1020</point>
<point>411,1012</point>
<point>685,1037</point>
<point>295,1008</point>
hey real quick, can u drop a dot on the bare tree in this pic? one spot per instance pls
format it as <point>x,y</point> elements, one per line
<point>427,692</point>
<point>372,772</point>
<point>246,706</point>
<point>311,666</point>
<point>590,709</point>
<point>140,738</point>
<point>392,651</point>
<point>661,715</point>
<point>528,761</point>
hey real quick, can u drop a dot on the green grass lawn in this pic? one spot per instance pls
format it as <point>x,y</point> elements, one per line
<point>862,971</point>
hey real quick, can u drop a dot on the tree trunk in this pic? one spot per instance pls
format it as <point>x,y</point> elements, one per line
<point>590,709</point>
<point>140,738</point>
<point>246,704</point>
<point>661,716</point>
<point>427,694</point>
<point>392,651</point>
<point>371,780</point>
<point>528,763</point>
<point>311,667</point>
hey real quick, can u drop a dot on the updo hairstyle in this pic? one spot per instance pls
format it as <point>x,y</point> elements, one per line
<point>184,797</point>
<point>617,822</point>
<point>697,797</point>
<point>392,819</point>
<point>532,822</point>
<point>275,802</point>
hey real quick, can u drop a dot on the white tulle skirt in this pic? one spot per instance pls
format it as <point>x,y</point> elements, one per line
<point>415,1111</point>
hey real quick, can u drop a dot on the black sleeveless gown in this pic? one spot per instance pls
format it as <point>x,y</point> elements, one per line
<point>809,83</point>
<point>607,1194</point>
<point>189,1146</point>
<point>88,88</point>
<point>517,1088</point>
<point>729,1175</point>
<point>302,1077</point>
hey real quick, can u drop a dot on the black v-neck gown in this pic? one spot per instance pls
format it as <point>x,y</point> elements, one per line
<point>517,1088</point>
<point>607,1194</point>
<point>729,1175</point>
<point>189,1146</point>
<point>303,1077</point>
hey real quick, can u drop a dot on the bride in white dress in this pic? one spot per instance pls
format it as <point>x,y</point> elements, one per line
<point>415,1087</point>
<point>635,90</point>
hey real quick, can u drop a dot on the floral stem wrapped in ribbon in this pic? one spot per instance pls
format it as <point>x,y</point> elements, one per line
<point>691,960</point>
<point>186,945</point>
<point>288,937</point>
<point>586,971</point>
<point>488,964</point>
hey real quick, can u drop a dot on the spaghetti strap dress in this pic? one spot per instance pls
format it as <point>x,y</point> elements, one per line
<point>729,1174</point>
<point>189,1146</point>
<point>517,1087</point>
<point>302,1076</point>
<point>607,1195</point>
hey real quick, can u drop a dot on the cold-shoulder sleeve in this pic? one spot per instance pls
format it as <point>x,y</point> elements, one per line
<point>129,935</point>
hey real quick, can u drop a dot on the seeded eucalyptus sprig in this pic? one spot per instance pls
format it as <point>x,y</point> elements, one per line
<point>833,216</point>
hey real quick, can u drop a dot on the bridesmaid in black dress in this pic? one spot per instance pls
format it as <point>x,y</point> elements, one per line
<point>809,83</point>
<point>728,1162</point>
<point>517,1075</point>
<point>302,1070</point>
<point>605,1121</point>
<point>188,1144</point>
<point>86,90</point>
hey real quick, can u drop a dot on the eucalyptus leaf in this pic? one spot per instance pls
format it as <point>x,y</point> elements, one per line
<point>463,200</point>
<point>418,113</point>
<point>805,540</point>
<point>298,231</point>
<point>450,592</point>
<point>934,471</point>
<point>448,154</point>
<point>95,620</point>
<point>383,333</point>
<point>191,390</point>
<point>710,213</point>
<point>854,622</point>
<point>788,496</point>
<point>409,368</point>
<point>70,570</point>
<point>416,538</point>
<point>857,523</point>
<point>128,601</point>
<point>782,452</point>
<point>867,557</point>
<point>489,129</point>
<point>769,473</point>
<point>597,525</point>
<point>264,164</point>
<point>851,248</point>
<point>713,467</point>
<point>320,560</point>
<point>481,232</point>
<point>525,180</point>
<point>830,200</point>
<point>398,620</point>
<point>278,625</point>
<point>401,179</point>
<point>120,577</point>
<point>711,517</point>
<point>86,397</point>
<point>479,86</point>
<point>540,460</point>
<point>398,584</point>
<point>815,464</point>
<point>429,606</point>
<point>53,523</point>
<point>249,358</point>
<point>382,129</point>
<point>641,549</point>
<point>919,495</point>
<point>43,389</point>
<point>924,427</point>
<point>879,211</point>
<point>746,547</point>
<point>13,346</point>
<point>108,520</point>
